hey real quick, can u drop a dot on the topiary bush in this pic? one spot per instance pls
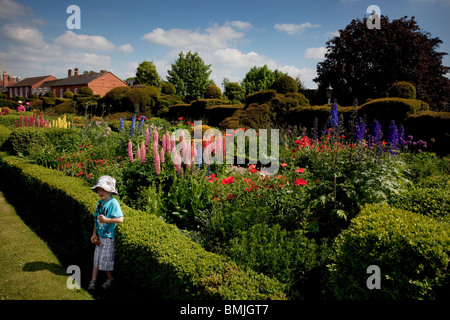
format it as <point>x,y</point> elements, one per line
<point>5,132</point>
<point>285,84</point>
<point>168,88</point>
<point>212,92</point>
<point>289,256</point>
<point>22,139</point>
<point>86,91</point>
<point>68,95</point>
<point>411,250</point>
<point>402,89</point>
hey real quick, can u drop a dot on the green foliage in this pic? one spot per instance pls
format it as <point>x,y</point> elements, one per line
<point>114,97</point>
<point>253,116</point>
<point>291,257</point>
<point>212,92</point>
<point>285,84</point>
<point>7,104</point>
<point>410,249</point>
<point>402,89</point>
<point>86,91</point>
<point>387,109</point>
<point>22,139</point>
<point>259,78</point>
<point>168,88</point>
<point>50,94</point>
<point>68,95</point>
<point>138,98</point>
<point>190,76</point>
<point>234,92</point>
<point>5,132</point>
<point>261,97</point>
<point>146,74</point>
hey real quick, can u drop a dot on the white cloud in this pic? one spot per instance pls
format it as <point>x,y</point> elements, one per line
<point>242,25</point>
<point>291,28</point>
<point>82,41</point>
<point>315,53</point>
<point>12,10</point>
<point>126,48</point>
<point>24,35</point>
<point>215,37</point>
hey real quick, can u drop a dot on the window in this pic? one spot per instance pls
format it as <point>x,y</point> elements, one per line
<point>75,90</point>
<point>61,91</point>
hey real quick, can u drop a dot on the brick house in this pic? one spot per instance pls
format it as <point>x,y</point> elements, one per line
<point>100,83</point>
<point>28,86</point>
<point>6,78</point>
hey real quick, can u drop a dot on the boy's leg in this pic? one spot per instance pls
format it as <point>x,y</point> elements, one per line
<point>94,273</point>
<point>109,274</point>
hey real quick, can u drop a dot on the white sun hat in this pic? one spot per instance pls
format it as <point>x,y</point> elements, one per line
<point>107,183</point>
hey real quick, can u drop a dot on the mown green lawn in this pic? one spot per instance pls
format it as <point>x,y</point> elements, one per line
<point>28,269</point>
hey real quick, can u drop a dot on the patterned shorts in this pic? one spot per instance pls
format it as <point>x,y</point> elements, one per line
<point>104,255</point>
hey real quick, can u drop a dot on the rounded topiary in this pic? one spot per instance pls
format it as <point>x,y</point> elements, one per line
<point>168,88</point>
<point>402,89</point>
<point>68,95</point>
<point>285,84</point>
<point>212,92</point>
<point>410,250</point>
<point>86,90</point>
<point>50,94</point>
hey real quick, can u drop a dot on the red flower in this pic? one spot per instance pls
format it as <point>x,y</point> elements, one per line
<point>212,178</point>
<point>228,180</point>
<point>283,165</point>
<point>180,118</point>
<point>300,182</point>
<point>252,168</point>
<point>300,170</point>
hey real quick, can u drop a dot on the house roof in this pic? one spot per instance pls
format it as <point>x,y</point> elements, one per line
<point>74,80</point>
<point>29,82</point>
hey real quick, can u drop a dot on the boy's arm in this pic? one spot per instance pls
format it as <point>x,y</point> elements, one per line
<point>103,219</point>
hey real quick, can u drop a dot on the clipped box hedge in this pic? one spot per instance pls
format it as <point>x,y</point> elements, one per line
<point>150,253</point>
<point>411,250</point>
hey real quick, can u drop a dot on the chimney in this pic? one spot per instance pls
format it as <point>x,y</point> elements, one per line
<point>103,71</point>
<point>5,78</point>
<point>69,73</point>
<point>76,71</point>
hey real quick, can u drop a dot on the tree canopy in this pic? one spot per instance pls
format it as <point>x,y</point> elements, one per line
<point>260,78</point>
<point>190,76</point>
<point>146,74</point>
<point>364,63</point>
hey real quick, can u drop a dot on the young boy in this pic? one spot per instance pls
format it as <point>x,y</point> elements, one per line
<point>107,215</point>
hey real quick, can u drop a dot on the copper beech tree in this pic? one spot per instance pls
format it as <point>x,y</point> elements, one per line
<point>363,63</point>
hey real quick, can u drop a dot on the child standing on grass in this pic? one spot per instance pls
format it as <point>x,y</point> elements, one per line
<point>107,215</point>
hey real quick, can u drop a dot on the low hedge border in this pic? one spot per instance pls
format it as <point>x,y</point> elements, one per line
<point>150,253</point>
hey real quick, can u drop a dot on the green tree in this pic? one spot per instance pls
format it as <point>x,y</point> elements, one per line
<point>364,63</point>
<point>190,76</point>
<point>146,74</point>
<point>233,91</point>
<point>260,78</point>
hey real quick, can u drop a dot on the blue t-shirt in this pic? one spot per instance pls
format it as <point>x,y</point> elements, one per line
<point>110,209</point>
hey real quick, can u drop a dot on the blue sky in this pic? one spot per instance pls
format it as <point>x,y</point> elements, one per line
<point>232,36</point>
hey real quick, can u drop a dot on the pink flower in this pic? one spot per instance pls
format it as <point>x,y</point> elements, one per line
<point>157,164</point>
<point>130,151</point>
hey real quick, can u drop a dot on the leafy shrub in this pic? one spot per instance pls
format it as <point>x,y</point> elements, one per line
<point>216,114</point>
<point>234,92</point>
<point>285,84</point>
<point>427,125</point>
<point>7,104</point>
<point>24,138</point>
<point>140,98</point>
<point>253,116</point>
<point>402,89</point>
<point>387,109</point>
<point>50,94</point>
<point>212,92</point>
<point>260,97</point>
<point>433,202</point>
<point>68,95</point>
<point>86,91</point>
<point>290,257</point>
<point>5,132</point>
<point>300,97</point>
<point>168,88</point>
<point>411,250</point>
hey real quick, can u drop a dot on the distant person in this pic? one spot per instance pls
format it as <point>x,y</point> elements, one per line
<point>20,107</point>
<point>107,215</point>
<point>28,106</point>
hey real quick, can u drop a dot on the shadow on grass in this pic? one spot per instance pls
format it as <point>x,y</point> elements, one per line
<point>40,265</point>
